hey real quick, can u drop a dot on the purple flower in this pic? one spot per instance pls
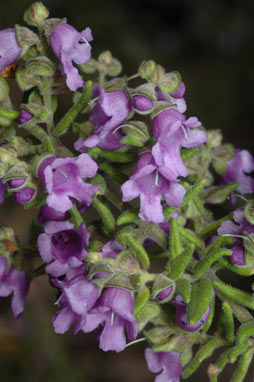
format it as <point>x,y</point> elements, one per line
<point>63,180</point>
<point>25,116</point>
<point>142,103</point>
<point>62,246</point>
<point>181,316</point>
<point>112,110</point>
<point>114,310</point>
<point>175,98</point>
<point>22,195</point>
<point>78,296</point>
<point>237,170</point>
<point>2,191</point>
<point>48,213</point>
<point>169,363</point>
<point>172,131</point>
<point>14,281</point>
<point>150,185</point>
<point>70,45</point>
<point>111,249</point>
<point>9,48</point>
<point>230,228</point>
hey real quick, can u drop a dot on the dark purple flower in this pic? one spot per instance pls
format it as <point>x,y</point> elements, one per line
<point>230,228</point>
<point>22,195</point>
<point>237,170</point>
<point>114,310</point>
<point>142,103</point>
<point>62,246</point>
<point>25,116</point>
<point>48,213</point>
<point>172,131</point>
<point>70,45</point>
<point>78,296</point>
<point>175,98</point>
<point>150,185</point>
<point>14,281</point>
<point>2,191</point>
<point>63,180</point>
<point>169,363</point>
<point>111,111</point>
<point>181,316</point>
<point>9,48</point>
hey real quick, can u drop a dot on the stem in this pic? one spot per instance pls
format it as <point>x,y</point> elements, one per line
<point>46,90</point>
<point>72,114</point>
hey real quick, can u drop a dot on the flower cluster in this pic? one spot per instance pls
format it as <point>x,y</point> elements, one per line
<point>129,270</point>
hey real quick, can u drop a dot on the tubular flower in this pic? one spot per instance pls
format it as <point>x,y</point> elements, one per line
<point>70,45</point>
<point>62,246</point>
<point>169,363</point>
<point>150,185</point>
<point>111,111</point>
<point>14,281</point>
<point>114,310</point>
<point>62,178</point>
<point>9,48</point>
<point>172,131</point>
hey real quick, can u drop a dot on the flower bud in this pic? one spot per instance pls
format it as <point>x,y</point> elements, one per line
<point>163,288</point>
<point>25,79</point>
<point>111,65</point>
<point>25,37</point>
<point>142,104</point>
<point>36,14</point>
<point>179,93</point>
<point>41,66</point>
<point>24,196</point>
<point>25,116</point>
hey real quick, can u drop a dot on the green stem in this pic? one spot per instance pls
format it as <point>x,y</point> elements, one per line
<point>72,114</point>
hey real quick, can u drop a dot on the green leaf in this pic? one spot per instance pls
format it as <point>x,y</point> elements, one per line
<point>105,214</point>
<point>209,258</point>
<point>183,288</point>
<point>141,299</point>
<point>249,211</point>
<point>201,294</point>
<point>177,265</point>
<point>113,173</point>
<point>229,322</point>
<point>175,246</point>
<point>150,310</point>
<point>218,194</point>
<point>237,295</point>
<point>139,251</point>
<point>243,365</point>
<point>129,216</point>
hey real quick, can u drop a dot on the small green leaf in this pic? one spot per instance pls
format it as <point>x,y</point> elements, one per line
<point>218,194</point>
<point>183,288</point>
<point>209,258</point>
<point>139,251</point>
<point>188,153</point>
<point>129,216</point>
<point>229,322</point>
<point>249,211</point>
<point>175,246</point>
<point>201,294</point>
<point>141,299</point>
<point>237,295</point>
<point>150,310</point>
<point>243,365</point>
<point>177,265</point>
<point>106,215</point>
<point>113,173</point>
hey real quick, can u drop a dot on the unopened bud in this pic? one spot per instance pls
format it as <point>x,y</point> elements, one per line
<point>41,66</point>
<point>25,37</point>
<point>36,14</point>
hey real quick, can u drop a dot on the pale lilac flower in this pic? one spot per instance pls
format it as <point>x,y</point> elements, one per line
<point>114,311</point>
<point>78,296</point>
<point>175,98</point>
<point>172,131</point>
<point>9,48</point>
<point>62,246</point>
<point>70,45</point>
<point>111,111</point>
<point>22,195</point>
<point>150,185</point>
<point>25,116</point>
<point>168,362</point>
<point>230,228</point>
<point>111,249</point>
<point>62,178</point>
<point>181,316</point>
<point>14,281</point>
<point>238,169</point>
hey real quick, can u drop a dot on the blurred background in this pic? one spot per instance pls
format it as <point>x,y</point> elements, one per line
<point>211,44</point>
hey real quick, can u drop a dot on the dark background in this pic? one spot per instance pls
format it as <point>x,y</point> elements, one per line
<point>210,42</point>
